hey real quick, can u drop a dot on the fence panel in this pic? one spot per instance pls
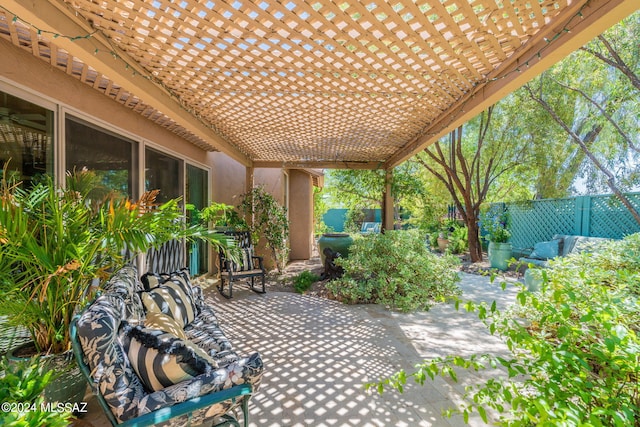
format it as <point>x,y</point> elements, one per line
<point>610,218</point>
<point>538,220</point>
<point>598,216</point>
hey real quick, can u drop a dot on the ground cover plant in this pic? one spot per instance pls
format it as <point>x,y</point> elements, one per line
<point>574,347</point>
<point>395,269</point>
<point>303,281</point>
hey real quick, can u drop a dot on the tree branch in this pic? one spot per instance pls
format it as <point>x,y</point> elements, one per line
<point>616,62</point>
<point>603,112</point>
<point>576,138</point>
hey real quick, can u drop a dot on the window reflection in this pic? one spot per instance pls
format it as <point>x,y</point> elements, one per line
<point>26,138</point>
<point>163,173</point>
<point>112,157</point>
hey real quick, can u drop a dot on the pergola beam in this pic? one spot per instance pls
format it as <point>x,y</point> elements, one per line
<point>98,53</point>
<point>576,26</point>
<point>319,165</point>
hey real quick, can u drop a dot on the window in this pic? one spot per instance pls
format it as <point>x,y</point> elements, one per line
<point>112,157</point>
<point>164,173</point>
<point>26,138</point>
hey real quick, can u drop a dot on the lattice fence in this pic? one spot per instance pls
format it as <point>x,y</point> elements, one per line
<point>608,217</point>
<point>598,216</point>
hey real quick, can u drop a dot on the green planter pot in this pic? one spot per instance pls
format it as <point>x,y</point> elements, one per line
<point>338,242</point>
<point>69,387</point>
<point>499,255</point>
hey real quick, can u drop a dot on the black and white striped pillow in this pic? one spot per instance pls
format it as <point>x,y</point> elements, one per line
<point>161,359</point>
<point>246,260</point>
<point>174,297</point>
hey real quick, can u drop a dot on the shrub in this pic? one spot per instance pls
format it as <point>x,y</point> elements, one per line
<point>21,386</point>
<point>574,346</point>
<point>303,281</point>
<point>459,240</point>
<point>395,269</point>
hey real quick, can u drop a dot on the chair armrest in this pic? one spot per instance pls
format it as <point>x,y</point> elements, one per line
<point>260,261</point>
<point>165,413</point>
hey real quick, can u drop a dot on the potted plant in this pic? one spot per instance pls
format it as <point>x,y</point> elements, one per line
<point>494,222</point>
<point>446,229</point>
<point>56,243</point>
<point>270,222</point>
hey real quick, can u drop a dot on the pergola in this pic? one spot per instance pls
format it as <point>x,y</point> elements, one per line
<point>307,83</point>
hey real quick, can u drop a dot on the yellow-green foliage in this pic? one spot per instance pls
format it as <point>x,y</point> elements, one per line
<point>395,269</point>
<point>575,346</point>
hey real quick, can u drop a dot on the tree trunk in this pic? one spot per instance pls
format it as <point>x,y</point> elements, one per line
<point>475,247</point>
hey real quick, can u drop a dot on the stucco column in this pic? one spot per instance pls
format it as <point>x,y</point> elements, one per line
<point>300,214</point>
<point>387,202</point>
<point>248,186</point>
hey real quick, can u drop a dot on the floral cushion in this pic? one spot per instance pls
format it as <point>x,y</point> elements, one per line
<point>98,332</point>
<point>205,332</point>
<point>126,284</point>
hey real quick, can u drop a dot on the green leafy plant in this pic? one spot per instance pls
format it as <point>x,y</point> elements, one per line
<point>21,387</point>
<point>54,242</point>
<point>494,221</point>
<point>269,221</point>
<point>574,347</point>
<point>353,220</point>
<point>395,269</point>
<point>303,281</point>
<point>458,240</point>
<point>219,215</point>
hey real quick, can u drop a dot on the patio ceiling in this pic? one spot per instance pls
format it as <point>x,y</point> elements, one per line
<point>307,83</point>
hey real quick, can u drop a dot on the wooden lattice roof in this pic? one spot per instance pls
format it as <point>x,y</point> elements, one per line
<point>307,82</point>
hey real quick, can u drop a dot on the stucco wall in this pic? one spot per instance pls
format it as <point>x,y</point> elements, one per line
<point>228,181</point>
<point>271,179</point>
<point>301,214</point>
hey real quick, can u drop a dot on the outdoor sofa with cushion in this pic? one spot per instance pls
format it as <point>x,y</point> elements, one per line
<point>559,245</point>
<point>157,356</point>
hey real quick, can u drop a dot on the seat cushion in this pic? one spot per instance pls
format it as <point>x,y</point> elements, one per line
<point>545,250</point>
<point>172,295</point>
<point>162,359</point>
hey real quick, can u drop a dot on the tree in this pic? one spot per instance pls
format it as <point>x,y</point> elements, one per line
<point>361,189</point>
<point>593,97</point>
<point>551,175</point>
<point>469,168</point>
<point>356,188</point>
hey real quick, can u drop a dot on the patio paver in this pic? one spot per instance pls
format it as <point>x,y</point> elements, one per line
<point>318,354</point>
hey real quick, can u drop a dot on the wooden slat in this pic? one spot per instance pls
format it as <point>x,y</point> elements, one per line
<point>311,81</point>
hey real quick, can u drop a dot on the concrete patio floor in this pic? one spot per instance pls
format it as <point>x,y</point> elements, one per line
<point>319,353</point>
